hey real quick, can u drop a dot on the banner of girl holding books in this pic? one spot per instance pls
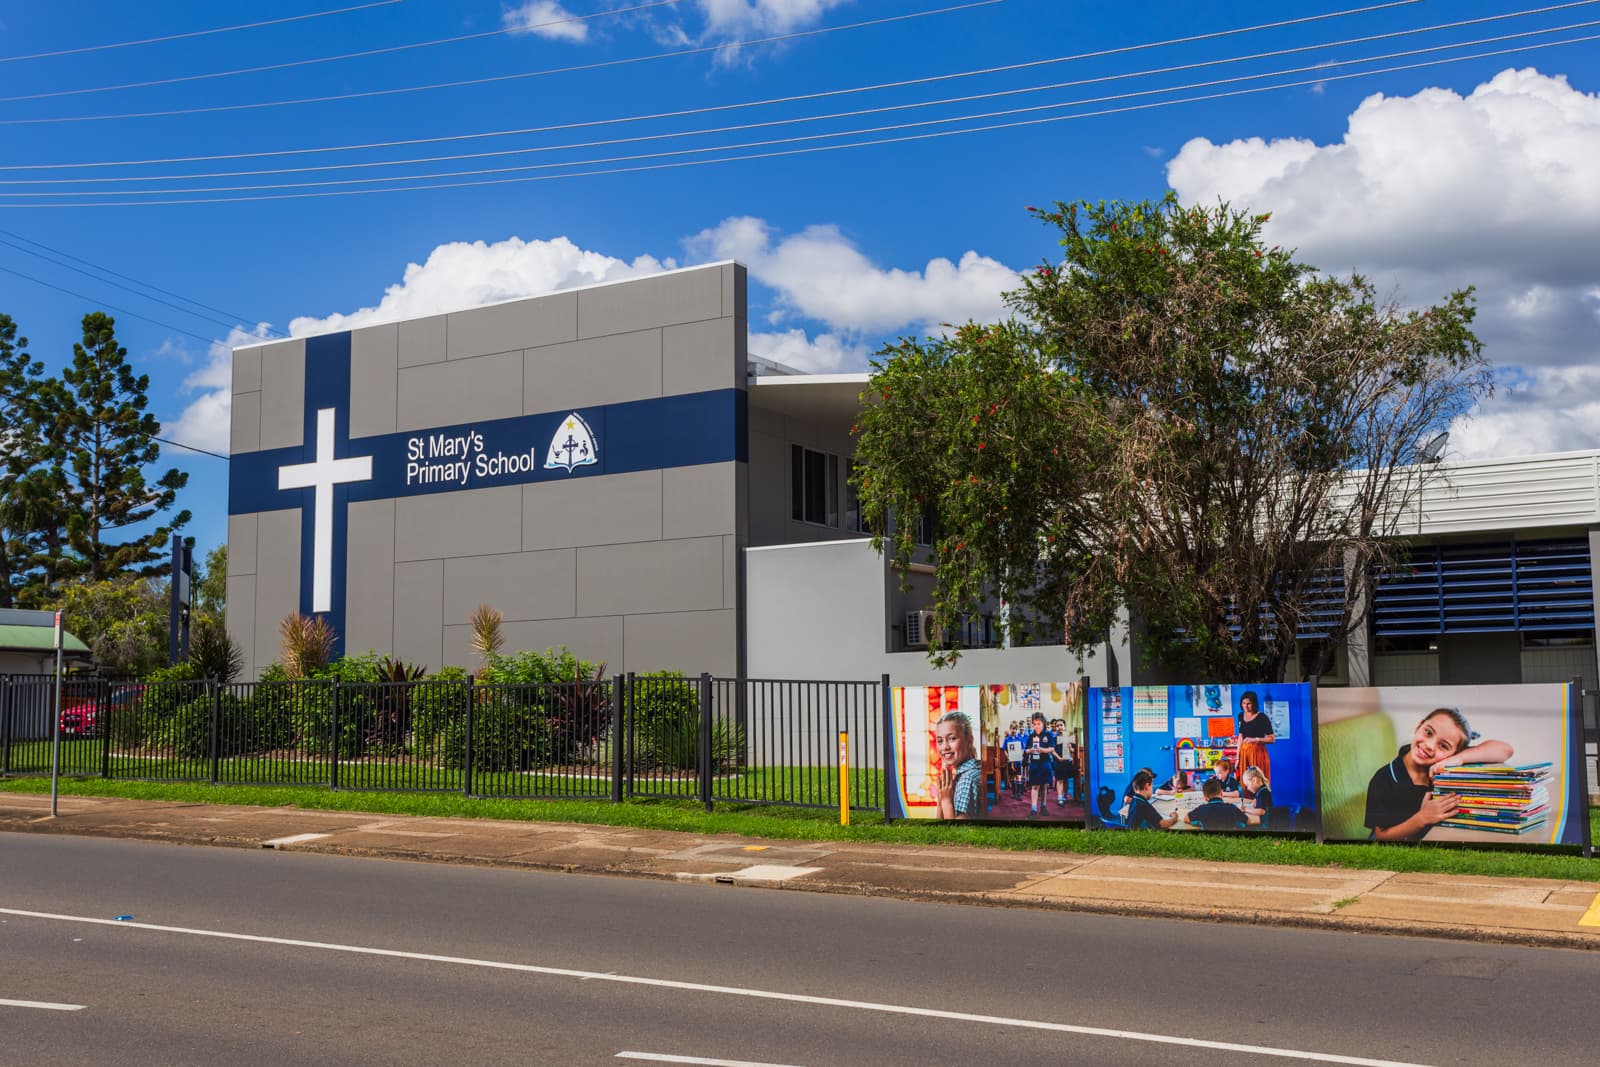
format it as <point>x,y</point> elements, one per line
<point>1483,763</point>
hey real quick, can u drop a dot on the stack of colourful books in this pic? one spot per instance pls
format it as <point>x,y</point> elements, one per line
<point>1496,797</point>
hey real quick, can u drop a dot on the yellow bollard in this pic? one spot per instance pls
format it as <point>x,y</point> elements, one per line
<point>844,778</point>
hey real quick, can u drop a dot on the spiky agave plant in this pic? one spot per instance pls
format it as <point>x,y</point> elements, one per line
<point>487,637</point>
<point>307,644</point>
<point>392,724</point>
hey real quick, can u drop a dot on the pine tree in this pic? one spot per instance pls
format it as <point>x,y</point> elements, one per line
<point>107,439</point>
<point>27,519</point>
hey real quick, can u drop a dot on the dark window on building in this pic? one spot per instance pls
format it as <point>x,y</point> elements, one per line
<point>814,486</point>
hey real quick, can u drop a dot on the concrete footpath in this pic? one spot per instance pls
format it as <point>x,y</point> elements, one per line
<point>1530,911</point>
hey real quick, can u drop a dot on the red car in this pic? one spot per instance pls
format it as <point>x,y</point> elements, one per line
<point>80,717</point>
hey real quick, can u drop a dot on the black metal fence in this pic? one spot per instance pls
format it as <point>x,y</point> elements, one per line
<point>700,738</point>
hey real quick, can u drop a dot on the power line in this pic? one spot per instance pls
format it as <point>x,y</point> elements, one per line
<point>797,98</point>
<point>191,448</point>
<point>333,59</point>
<point>797,139</point>
<point>113,307</point>
<point>196,33</point>
<point>233,319</point>
<point>1320,79</point>
<point>778,38</point>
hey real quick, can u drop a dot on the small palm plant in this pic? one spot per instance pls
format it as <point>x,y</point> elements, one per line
<point>307,644</point>
<point>487,637</point>
<point>212,653</point>
<point>392,723</point>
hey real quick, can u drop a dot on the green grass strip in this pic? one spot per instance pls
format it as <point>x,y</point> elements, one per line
<point>793,824</point>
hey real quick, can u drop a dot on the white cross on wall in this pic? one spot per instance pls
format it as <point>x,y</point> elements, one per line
<point>322,475</point>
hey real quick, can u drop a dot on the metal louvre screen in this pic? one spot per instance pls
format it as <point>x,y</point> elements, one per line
<point>1532,585</point>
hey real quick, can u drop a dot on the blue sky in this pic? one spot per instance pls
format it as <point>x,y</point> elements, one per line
<point>1477,171</point>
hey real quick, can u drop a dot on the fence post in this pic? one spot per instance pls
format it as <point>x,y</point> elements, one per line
<point>466,749</point>
<point>629,726</point>
<point>103,722</point>
<point>333,739</point>
<point>886,765</point>
<point>5,723</point>
<point>705,740</point>
<point>216,728</point>
<point>618,695</point>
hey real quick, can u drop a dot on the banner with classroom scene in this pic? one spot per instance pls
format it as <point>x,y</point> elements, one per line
<point>1201,757</point>
<point>1479,763</point>
<point>995,752</point>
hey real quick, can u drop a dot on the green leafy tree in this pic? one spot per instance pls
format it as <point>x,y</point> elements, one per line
<point>1180,421</point>
<point>123,621</point>
<point>211,583</point>
<point>108,439</point>
<point>24,446</point>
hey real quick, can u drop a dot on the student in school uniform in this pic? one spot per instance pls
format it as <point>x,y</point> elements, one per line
<point>1224,771</point>
<point>1065,763</point>
<point>1400,804</point>
<point>1014,744</point>
<point>1142,815</point>
<point>1259,790</point>
<point>958,789</point>
<point>1216,813</point>
<point>1039,749</point>
<point>1178,783</point>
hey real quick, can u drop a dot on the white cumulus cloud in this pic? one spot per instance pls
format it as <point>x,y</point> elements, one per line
<point>545,18</point>
<point>466,274</point>
<point>819,274</point>
<point>825,353</point>
<point>755,18</point>
<point>1437,190</point>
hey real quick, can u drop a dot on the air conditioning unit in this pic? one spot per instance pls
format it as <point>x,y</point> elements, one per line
<point>918,628</point>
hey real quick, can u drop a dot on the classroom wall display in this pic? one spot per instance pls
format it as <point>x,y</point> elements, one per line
<point>977,752</point>
<point>1185,734</point>
<point>1480,763</point>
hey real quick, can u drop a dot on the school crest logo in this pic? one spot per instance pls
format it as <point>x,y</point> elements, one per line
<point>572,446</point>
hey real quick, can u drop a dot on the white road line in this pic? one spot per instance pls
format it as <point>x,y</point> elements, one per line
<point>292,839</point>
<point>734,991</point>
<point>44,1004</point>
<point>662,1057</point>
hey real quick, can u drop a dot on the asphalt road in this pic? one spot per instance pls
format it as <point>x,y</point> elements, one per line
<point>338,962</point>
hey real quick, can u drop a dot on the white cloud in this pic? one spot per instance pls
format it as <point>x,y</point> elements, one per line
<point>819,274</point>
<point>466,274</point>
<point>207,420</point>
<point>1438,190</point>
<point>545,18</point>
<point>826,353</point>
<point>760,18</point>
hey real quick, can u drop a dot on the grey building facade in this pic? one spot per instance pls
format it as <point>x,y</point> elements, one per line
<point>577,461</point>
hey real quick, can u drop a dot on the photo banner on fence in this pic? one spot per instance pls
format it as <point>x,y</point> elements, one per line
<point>1202,757</point>
<point>1497,764</point>
<point>998,752</point>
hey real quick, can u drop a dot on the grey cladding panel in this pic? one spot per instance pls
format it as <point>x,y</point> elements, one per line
<point>421,341</point>
<point>246,370</point>
<point>699,501</point>
<point>277,578</point>
<point>699,356</point>
<point>473,522</point>
<point>592,511</point>
<point>373,367</point>
<point>242,544</point>
<point>283,394</point>
<point>419,613</point>
<point>650,576</point>
<point>369,571</point>
<point>524,585</point>
<point>241,620</point>
<point>687,641</point>
<point>462,391</point>
<point>666,300</point>
<point>605,370</point>
<point>244,432</point>
<point>520,324</point>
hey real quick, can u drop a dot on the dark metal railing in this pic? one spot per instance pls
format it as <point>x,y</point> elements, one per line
<point>661,736</point>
